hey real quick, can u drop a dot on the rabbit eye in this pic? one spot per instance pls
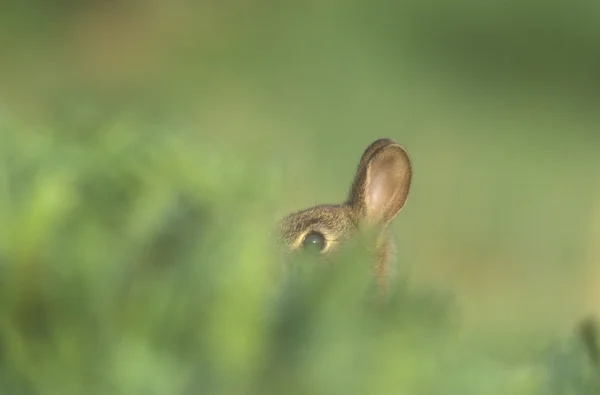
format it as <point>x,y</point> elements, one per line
<point>314,241</point>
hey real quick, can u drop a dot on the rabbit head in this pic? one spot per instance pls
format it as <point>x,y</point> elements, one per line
<point>378,193</point>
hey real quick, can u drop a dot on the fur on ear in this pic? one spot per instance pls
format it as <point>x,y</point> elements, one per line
<point>382,182</point>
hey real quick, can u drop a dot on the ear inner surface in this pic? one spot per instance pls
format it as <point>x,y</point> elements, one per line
<point>374,147</point>
<point>382,182</point>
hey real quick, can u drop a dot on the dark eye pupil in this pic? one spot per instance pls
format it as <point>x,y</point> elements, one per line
<point>314,241</point>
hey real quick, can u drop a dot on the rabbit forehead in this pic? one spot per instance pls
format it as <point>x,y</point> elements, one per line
<point>334,221</point>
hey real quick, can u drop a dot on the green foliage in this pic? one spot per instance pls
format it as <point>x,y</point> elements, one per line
<point>136,246</point>
<point>135,262</point>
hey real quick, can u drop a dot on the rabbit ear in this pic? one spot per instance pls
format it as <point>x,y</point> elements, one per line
<point>382,182</point>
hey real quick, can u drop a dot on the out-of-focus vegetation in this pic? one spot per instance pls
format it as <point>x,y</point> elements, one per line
<point>147,149</point>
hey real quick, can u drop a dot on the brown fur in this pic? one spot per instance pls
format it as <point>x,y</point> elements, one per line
<point>378,193</point>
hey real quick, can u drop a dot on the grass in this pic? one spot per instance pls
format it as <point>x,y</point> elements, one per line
<point>136,251</point>
<point>136,262</point>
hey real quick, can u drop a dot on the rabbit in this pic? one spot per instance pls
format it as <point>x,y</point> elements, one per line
<point>378,193</point>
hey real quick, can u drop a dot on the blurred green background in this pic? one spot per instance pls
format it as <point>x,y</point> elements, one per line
<point>148,148</point>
